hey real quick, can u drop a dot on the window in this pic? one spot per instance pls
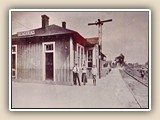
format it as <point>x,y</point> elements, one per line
<point>49,47</point>
<point>82,56</point>
<point>13,49</point>
<point>80,51</point>
<point>14,61</point>
<point>90,58</point>
<point>79,56</point>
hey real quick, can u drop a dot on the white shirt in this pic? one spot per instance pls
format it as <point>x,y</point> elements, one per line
<point>94,71</point>
<point>84,69</point>
<point>75,69</point>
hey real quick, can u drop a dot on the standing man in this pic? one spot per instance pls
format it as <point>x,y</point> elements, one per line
<point>84,77</point>
<point>76,74</point>
<point>94,73</point>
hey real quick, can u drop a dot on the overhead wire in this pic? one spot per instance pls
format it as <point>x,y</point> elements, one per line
<point>21,24</point>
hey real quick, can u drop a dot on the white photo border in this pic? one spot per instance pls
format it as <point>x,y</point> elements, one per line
<point>78,10</point>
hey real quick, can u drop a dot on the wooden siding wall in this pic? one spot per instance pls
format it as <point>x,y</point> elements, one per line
<point>29,58</point>
<point>29,61</point>
<point>62,61</point>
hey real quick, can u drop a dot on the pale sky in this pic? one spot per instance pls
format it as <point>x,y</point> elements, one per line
<point>127,33</point>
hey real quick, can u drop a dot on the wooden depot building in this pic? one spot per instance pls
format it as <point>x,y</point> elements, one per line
<point>48,54</point>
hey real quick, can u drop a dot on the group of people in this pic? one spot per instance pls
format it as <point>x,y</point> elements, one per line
<point>84,76</point>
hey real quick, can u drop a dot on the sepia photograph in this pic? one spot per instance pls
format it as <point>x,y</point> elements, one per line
<point>79,60</point>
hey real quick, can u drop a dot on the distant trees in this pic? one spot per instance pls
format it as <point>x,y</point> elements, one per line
<point>146,64</point>
<point>120,59</point>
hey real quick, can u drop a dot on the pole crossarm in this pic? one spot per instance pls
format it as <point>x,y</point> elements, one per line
<point>99,22</point>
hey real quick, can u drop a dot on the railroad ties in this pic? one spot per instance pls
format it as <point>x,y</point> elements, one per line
<point>137,76</point>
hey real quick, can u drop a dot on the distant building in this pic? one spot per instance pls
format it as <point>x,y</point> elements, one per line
<point>47,54</point>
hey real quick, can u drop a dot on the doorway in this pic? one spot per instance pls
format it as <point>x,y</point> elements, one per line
<point>48,61</point>
<point>49,66</point>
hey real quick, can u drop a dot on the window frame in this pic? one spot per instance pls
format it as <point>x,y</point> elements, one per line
<point>80,55</point>
<point>14,52</point>
<point>91,61</point>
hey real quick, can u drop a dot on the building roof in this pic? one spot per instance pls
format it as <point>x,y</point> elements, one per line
<point>92,41</point>
<point>50,31</point>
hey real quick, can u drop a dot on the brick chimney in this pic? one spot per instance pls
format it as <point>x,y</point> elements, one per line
<point>64,24</point>
<point>45,21</point>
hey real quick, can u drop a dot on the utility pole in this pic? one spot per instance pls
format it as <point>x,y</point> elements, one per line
<point>100,23</point>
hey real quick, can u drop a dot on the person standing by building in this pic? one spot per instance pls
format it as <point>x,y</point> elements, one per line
<point>76,74</point>
<point>84,77</point>
<point>94,73</point>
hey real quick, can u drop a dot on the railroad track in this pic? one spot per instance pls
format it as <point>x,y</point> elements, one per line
<point>138,91</point>
<point>135,77</point>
